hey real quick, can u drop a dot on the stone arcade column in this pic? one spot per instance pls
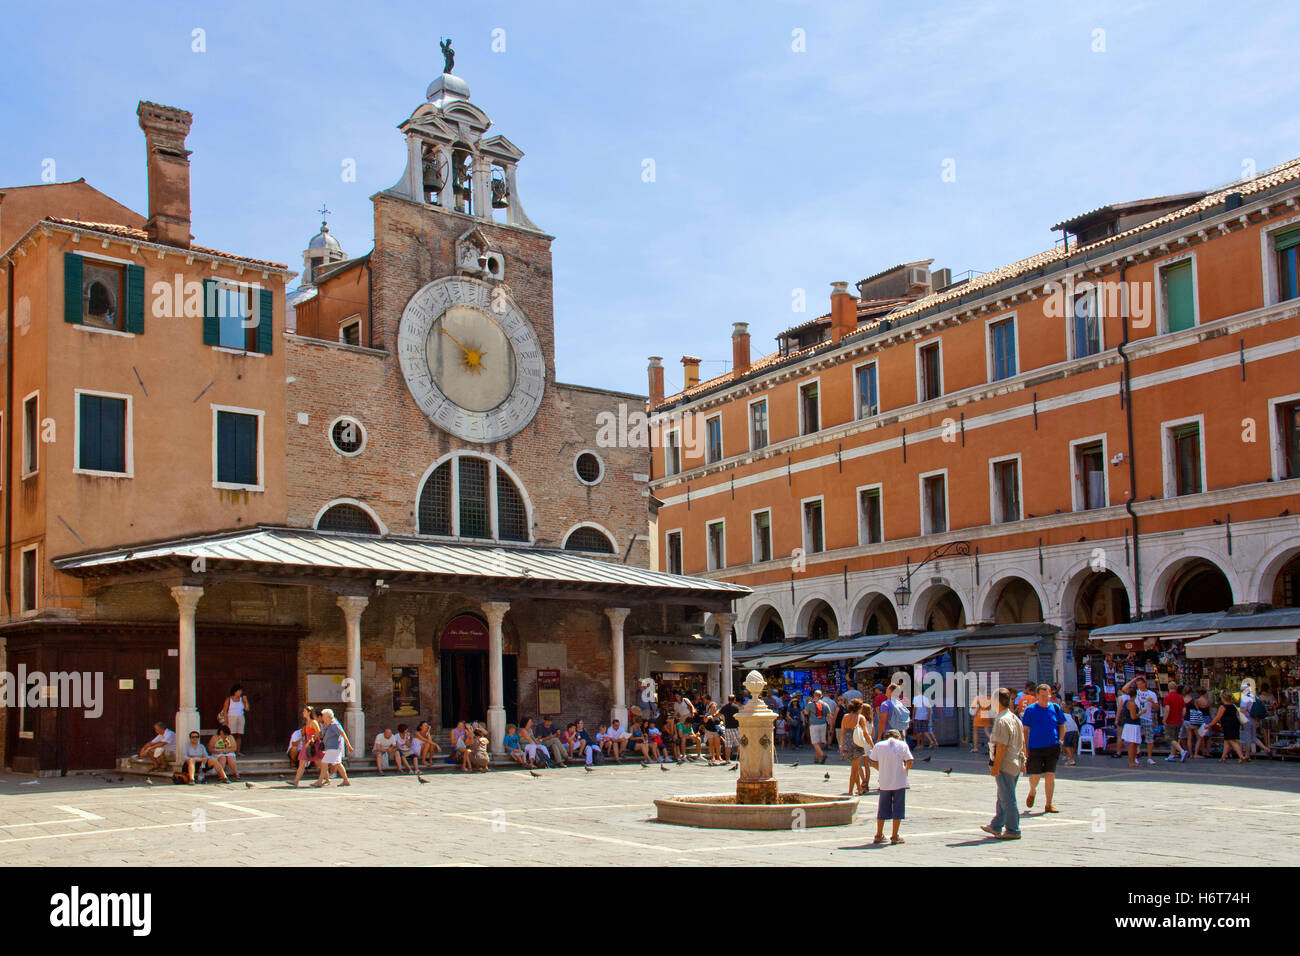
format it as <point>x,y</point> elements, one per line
<point>618,668</point>
<point>495,612</point>
<point>725,621</point>
<point>354,721</point>
<point>187,713</point>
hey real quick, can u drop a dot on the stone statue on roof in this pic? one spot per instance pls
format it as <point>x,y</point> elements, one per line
<point>448,55</point>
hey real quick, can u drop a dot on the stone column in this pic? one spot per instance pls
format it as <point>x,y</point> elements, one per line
<point>618,668</point>
<point>354,721</point>
<point>187,713</point>
<point>447,197</point>
<point>481,173</point>
<point>725,620</point>
<point>495,612</point>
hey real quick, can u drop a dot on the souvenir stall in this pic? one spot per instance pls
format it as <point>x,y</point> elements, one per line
<point>1262,660</point>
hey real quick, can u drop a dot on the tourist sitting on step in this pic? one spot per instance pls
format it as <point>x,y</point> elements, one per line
<point>539,755</point>
<point>221,747</point>
<point>513,747</point>
<point>476,755</point>
<point>615,741</point>
<point>162,749</point>
<point>405,755</point>
<point>423,746</point>
<point>384,746</point>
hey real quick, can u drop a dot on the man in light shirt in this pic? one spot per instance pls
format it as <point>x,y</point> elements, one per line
<point>1007,757</point>
<point>921,711</point>
<point>891,758</point>
<point>385,744</point>
<point>162,749</point>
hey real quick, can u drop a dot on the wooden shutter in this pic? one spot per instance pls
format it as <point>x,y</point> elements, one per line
<point>135,299</point>
<point>211,319</point>
<point>1178,297</point>
<point>225,446</point>
<point>112,435</point>
<point>1286,240</point>
<point>246,449</point>
<point>265,326</point>
<point>88,441</point>
<point>72,288</point>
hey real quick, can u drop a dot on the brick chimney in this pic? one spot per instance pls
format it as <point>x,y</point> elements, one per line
<point>691,371</point>
<point>739,348</point>
<point>656,371</point>
<point>168,163</point>
<point>844,312</point>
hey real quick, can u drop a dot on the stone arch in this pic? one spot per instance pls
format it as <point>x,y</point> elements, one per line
<point>871,612</point>
<point>1073,583</point>
<point>1261,588</point>
<point>1087,582</point>
<point>760,620</point>
<point>942,603</point>
<point>995,597</point>
<point>1168,577</point>
<point>816,615</point>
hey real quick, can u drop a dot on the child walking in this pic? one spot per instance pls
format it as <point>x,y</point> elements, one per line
<point>892,758</point>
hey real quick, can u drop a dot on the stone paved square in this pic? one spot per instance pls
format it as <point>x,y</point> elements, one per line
<point>1167,815</point>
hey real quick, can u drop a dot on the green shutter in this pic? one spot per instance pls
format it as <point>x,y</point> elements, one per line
<point>1286,240</point>
<point>1179,298</point>
<point>211,322</point>
<point>72,288</point>
<point>88,440</point>
<point>265,325</point>
<point>135,299</point>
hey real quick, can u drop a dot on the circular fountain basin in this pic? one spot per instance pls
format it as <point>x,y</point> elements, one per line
<point>720,811</point>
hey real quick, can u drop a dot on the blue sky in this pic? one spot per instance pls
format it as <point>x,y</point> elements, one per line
<point>775,169</point>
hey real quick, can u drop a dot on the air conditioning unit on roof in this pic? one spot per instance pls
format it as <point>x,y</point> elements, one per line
<point>918,277</point>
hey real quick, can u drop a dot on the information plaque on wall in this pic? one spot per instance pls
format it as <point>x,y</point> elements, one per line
<point>548,692</point>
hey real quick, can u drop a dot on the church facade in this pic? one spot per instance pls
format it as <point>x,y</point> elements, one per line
<point>384,502</point>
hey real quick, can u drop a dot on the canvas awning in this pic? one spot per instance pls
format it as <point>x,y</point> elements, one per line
<point>772,660</point>
<point>1260,642</point>
<point>905,657</point>
<point>831,656</point>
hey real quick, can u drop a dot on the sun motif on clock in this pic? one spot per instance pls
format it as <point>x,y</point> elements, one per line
<point>471,359</point>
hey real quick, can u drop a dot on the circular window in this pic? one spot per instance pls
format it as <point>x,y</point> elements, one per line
<point>589,467</point>
<point>347,436</point>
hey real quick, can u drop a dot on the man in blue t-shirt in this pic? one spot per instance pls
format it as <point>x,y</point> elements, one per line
<point>1045,727</point>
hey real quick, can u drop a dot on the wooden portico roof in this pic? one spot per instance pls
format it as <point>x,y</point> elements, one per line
<point>369,563</point>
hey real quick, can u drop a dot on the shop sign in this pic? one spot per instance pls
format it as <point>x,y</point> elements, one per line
<point>548,692</point>
<point>464,633</point>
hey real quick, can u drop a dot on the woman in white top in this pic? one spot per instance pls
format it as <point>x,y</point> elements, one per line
<point>233,712</point>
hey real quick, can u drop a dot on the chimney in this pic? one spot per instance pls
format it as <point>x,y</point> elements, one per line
<point>691,369</point>
<point>844,312</point>
<point>739,348</point>
<point>168,163</point>
<point>656,380</point>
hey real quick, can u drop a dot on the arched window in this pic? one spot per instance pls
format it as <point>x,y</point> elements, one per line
<point>469,496</point>
<point>345,517</point>
<point>591,540</point>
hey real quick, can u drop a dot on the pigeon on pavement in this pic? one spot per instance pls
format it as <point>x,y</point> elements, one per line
<point>663,769</point>
<point>421,779</point>
<point>734,767</point>
<point>588,769</point>
<point>793,765</point>
<point>533,773</point>
<point>948,771</point>
<point>826,777</point>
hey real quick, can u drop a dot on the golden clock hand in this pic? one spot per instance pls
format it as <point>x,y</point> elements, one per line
<point>453,338</point>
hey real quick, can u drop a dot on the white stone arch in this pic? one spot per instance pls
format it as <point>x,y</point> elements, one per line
<point>1167,569</point>
<point>867,599</point>
<point>564,540</point>
<point>803,617</point>
<point>1260,588</point>
<point>1072,582</point>
<point>991,590</point>
<point>750,623</point>
<point>315,522</point>
<point>921,601</point>
<point>473,453</point>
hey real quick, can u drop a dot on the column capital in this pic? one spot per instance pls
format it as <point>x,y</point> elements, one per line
<point>725,619</point>
<point>187,597</point>
<point>352,605</point>
<point>617,615</point>
<point>494,611</point>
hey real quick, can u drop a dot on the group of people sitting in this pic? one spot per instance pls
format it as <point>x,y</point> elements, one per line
<point>405,748</point>
<point>219,755</point>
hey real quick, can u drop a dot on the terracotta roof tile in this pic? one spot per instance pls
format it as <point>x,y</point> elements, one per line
<point>128,232</point>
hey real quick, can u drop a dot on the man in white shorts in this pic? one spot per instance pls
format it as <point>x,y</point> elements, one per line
<point>162,749</point>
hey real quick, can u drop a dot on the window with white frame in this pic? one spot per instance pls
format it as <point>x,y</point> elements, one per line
<point>809,409</point>
<point>814,529</point>
<point>1284,244</point>
<point>717,545</point>
<point>871,526</point>
<point>1004,476</point>
<point>1177,296</point>
<point>673,552</point>
<point>350,331</point>
<point>1002,349</point>
<point>237,448</point>
<point>713,439</point>
<point>103,433</point>
<point>1184,457</point>
<point>29,579</point>
<point>1089,469</point>
<point>868,390</point>
<point>1286,437</point>
<point>31,434</point>
<point>758,424</point>
<point>672,452</point>
<point>934,503</point>
<point>1085,320</point>
<point>929,372</point>
<point>762,535</point>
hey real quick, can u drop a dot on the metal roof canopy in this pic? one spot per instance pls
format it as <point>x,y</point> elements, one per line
<point>1247,642</point>
<point>1189,626</point>
<point>774,660</point>
<point>899,658</point>
<point>276,555</point>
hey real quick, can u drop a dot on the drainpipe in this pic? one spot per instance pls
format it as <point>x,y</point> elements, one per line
<point>370,306</point>
<point>6,456</point>
<point>1127,392</point>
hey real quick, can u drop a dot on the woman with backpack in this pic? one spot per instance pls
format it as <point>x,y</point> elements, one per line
<point>893,714</point>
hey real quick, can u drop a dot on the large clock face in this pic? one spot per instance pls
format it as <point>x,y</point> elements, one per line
<point>471,360</point>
